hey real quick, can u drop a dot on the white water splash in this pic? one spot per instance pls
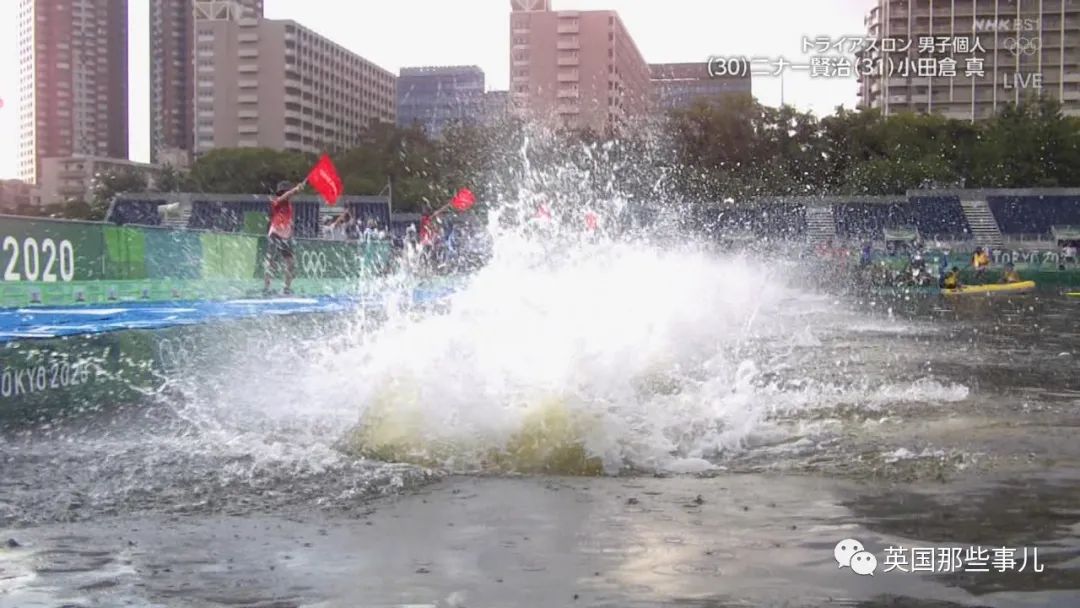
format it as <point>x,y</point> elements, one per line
<point>655,354</point>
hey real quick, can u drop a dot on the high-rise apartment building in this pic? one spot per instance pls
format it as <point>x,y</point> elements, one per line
<point>73,81</point>
<point>968,58</point>
<point>276,84</point>
<point>172,70</point>
<point>580,68</point>
<point>678,86</point>
<point>434,97</point>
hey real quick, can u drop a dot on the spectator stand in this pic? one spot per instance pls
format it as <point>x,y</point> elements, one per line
<point>901,240</point>
<point>1067,241</point>
<point>236,212</point>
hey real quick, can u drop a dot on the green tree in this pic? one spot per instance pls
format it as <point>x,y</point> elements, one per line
<point>247,170</point>
<point>385,154</point>
<point>105,186</point>
<point>170,179</point>
<point>1028,145</point>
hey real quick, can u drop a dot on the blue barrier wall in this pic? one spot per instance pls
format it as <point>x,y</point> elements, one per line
<point>868,220</point>
<point>1034,214</point>
<point>934,213</point>
<point>941,216</point>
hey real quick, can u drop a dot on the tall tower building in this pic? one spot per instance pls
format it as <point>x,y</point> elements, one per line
<point>172,71</point>
<point>580,69</point>
<point>73,81</point>
<point>969,58</point>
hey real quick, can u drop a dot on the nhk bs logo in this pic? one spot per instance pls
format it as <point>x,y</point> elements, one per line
<point>1006,25</point>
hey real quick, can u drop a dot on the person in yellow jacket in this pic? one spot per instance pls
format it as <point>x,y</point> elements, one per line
<point>980,261</point>
<point>1010,275</point>
<point>951,280</point>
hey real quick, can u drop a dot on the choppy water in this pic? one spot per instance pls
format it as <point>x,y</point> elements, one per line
<point>680,362</point>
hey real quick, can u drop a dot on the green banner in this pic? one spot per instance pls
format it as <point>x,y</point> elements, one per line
<point>46,379</point>
<point>56,263</point>
<point>50,251</point>
<point>226,257</point>
<point>173,254</point>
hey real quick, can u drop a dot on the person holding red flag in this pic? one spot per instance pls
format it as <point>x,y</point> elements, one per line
<point>427,237</point>
<point>279,237</point>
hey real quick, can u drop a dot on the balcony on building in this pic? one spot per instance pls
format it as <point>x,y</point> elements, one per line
<point>568,60</point>
<point>568,44</point>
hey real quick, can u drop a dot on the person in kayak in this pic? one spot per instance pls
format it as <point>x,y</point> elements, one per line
<point>866,257</point>
<point>980,261</point>
<point>951,280</point>
<point>1010,275</point>
<point>942,267</point>
<point>279,238</point>
<point>917,273</point>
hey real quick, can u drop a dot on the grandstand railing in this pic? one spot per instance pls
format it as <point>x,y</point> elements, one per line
<point>229,212</point>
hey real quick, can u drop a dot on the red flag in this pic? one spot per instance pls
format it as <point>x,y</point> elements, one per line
<point>543,213</point>
<point>463,200</point>
<point>325,179</point>
<point>591,220</point>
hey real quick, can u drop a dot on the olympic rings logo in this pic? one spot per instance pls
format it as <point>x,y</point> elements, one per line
<point>175,354</point>
<point>1023,46</point>
<point>313,263</point>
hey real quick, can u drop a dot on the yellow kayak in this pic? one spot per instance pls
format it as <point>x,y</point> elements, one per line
<point>1021,287</point>
<point>1073,294</point>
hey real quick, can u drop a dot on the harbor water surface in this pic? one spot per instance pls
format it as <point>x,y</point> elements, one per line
<point>741,434</point>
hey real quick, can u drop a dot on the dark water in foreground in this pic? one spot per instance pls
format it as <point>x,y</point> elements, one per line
<point>921,423</point>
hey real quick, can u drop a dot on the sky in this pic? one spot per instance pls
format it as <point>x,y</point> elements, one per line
<point>404,33</point>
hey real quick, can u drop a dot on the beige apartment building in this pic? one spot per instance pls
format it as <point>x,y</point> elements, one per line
<point>72,178</point>
<point>1014,48</point>
<point>578,69</point>
<point>276,84</point>
<point>73,81</point>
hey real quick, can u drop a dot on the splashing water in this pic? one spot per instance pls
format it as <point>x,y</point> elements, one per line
<point>572,350</point>
<point>627,344</point>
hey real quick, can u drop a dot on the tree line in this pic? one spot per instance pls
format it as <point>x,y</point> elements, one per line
<point>730,150</point>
